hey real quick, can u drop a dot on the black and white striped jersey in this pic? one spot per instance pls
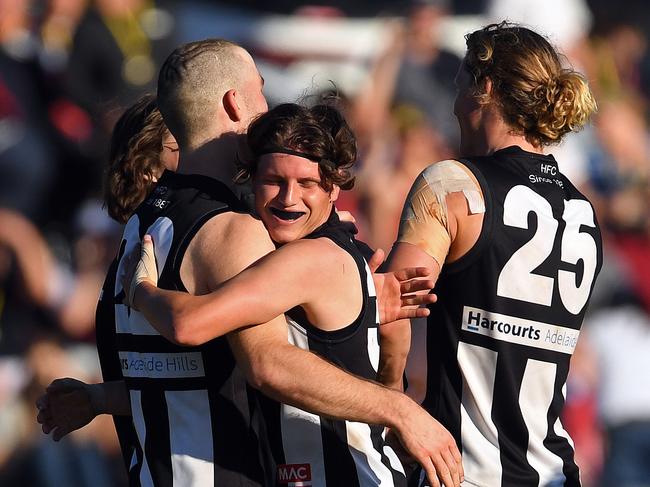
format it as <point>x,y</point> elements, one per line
<point>194,414</point>
<point>500,337</point>
<point>110,366</point>
<point>313,451</point>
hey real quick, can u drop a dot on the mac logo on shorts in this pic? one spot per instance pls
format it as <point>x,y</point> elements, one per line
<point>295,475</point>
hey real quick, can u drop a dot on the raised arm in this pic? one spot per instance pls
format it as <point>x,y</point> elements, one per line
<point>268,288</point>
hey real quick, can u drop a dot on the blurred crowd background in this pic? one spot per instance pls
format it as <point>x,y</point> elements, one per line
<point>68,68</point>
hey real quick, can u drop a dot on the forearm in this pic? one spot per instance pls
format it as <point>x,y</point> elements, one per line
<point>110,398</point>
<point>302,379</point>
<point>185,319</point>
<point>395,345</point>
<point>193,320</point>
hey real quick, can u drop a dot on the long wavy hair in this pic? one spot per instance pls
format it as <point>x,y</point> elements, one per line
<point>538,97</point>
<point>320,131</point>
<point>134,159</point>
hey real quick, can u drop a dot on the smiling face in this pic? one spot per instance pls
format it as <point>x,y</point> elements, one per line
<point>289,197</point>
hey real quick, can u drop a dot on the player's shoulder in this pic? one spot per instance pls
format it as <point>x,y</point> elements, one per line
<point>233,235</point>
<point>231,225</point>
<point>444,170</point>
<point>312,253</point>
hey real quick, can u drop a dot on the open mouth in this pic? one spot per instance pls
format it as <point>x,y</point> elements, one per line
<point>287,215</point>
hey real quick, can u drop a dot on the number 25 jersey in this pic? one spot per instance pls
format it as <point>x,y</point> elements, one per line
<point>507,320</point>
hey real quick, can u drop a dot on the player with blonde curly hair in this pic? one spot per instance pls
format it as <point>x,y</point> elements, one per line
<point>516,249</point>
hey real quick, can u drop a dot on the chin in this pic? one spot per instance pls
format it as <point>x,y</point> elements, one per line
<point>281,237</point>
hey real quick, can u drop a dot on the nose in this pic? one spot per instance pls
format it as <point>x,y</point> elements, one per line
<point>288,195</point>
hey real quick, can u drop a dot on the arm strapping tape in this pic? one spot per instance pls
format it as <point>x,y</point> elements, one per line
<point>424,222</point>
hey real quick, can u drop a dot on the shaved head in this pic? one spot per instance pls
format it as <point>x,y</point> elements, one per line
<point>193,81</point>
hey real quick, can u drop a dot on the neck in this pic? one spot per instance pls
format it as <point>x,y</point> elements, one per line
<point>495,134</point>
<point>215,159</point>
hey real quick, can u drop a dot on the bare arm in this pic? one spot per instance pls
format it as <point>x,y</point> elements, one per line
<point>302,379</point>
<point>256,295</point>
<point>396,336</point>
<point>263,291</point>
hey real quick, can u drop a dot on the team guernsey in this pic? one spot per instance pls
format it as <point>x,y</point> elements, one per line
<point>507,319</point>
<point>194,414</point>
<point>313,451</point>
<point>110,367</point>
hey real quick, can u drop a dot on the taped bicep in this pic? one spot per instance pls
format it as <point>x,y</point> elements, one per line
<point>425,217</point>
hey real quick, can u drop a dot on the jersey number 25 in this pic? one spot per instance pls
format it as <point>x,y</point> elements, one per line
<point>517,280</point>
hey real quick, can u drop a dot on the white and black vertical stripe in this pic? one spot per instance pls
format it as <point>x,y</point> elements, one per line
<point>190,405</point>
<point>338,452</point>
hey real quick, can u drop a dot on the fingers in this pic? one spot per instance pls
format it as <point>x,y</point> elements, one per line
<point>409,313</point>
<point>42,402</point>
<point>452,467</point>
<point>455,453</point>
<point>416,285</point>
<point>62,431</point>
<point>44,418</point>
<point>448,465</point>
<point>418,299</point>
<point>431,473</point>
<point>443,472</point>
<point>376,260</point>
<point>412,272</point>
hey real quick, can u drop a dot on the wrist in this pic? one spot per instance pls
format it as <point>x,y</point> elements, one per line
<point>97,396</point>
<point>139,290</point>
<point>399,410</point>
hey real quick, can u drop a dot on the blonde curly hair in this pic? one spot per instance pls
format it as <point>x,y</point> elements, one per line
<point>538,97</point>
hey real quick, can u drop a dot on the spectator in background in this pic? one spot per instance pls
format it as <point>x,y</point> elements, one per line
<point>115,55</point>
<point>141,148</point>
<point>86,460</point>
<point>57,28</point>
<point>116,52</point>
<point>426,75</point>
<point>27,153</point>
<point>396,141</point>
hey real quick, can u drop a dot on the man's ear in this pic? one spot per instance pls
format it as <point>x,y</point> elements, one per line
<point>488,87</point>
<point>231,105</point>
<point>334,194</point>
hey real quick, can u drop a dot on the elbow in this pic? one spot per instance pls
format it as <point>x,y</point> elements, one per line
<point>260,376</point>
<point>184,334</point>
<point>184,339</point>
<point>265,375</point>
